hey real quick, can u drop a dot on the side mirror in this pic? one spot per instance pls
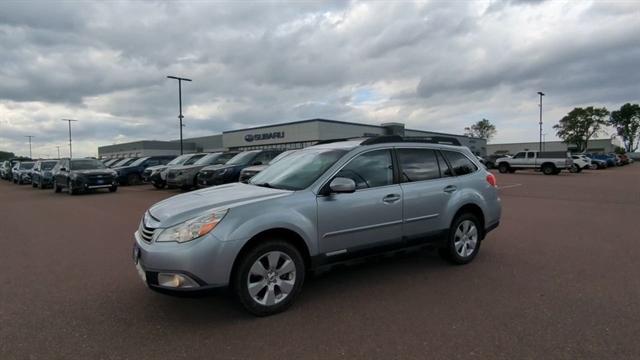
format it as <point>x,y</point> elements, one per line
<point>342,185</point>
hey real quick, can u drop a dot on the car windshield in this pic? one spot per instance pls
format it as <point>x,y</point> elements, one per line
<point>209,159</point>
<point>86,164</point>
<point>282,155</point>
<point>298,170</point>
<point>139,161</point>
<point>193,159</point>
<point>48,165</point>
<point>243,157</point>
<point>26,166</point>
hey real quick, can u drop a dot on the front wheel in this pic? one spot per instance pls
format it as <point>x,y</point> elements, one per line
<point>113,188</point>
<point>70,189</point>
<point>269,277</point>
<point>463,243</point>
<point>56,188</point>
<point>574,169</point>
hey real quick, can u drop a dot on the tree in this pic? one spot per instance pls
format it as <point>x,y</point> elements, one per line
<point>482,129</point>
<point>579,125</point>
<point>627,123</point>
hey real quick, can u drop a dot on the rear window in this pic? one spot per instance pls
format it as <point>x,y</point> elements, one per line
<point>418,164</point>
<point>461,164</point>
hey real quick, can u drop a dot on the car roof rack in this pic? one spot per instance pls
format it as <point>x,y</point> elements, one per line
<point>322,142</point>
<point>444,140</point>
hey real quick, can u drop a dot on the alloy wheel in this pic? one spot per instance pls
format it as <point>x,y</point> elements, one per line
<point>271,278</point>
<point>466,238</point>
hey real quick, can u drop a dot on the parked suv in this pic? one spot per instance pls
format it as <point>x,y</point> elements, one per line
<point>157,175</point>
<point>186,176</point>
<point>132,174</point>
<point>41,174</point>
<point>77,175</point>
<point>21,172</point>
<point>230,172</point>
<point>318,206</point>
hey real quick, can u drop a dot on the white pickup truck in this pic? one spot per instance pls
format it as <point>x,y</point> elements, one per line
<point>549,162</point>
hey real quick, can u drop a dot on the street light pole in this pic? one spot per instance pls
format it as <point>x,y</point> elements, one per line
<point>180,79</point>
<point>541,95</point>
<point>29,136</point>
<point>58,151</point>
<point>69,121</point>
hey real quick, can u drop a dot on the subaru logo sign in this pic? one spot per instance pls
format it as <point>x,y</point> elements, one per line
<point>264,136</point>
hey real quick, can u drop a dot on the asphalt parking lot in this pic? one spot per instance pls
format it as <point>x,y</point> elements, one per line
<point>559,279</point>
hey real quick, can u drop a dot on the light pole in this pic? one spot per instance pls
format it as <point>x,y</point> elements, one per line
<point>69,121</point>
<point>29,136</point>
<point>541,95</point>
<point>58,147</point>
<point>180,79</point>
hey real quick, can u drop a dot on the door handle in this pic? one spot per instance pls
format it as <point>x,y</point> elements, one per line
<point>449,189</point>
<point>391,198</point>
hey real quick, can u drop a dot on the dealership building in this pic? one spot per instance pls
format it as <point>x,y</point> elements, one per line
<point>291,135</point>
<point>594,146</point>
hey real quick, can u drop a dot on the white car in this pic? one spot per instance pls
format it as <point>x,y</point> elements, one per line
<point>580,162</point>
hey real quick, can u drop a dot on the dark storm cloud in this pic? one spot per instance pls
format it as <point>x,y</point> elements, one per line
<point>432,65</point>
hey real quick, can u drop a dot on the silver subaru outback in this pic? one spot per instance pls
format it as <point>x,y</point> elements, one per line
<point>319,206</point>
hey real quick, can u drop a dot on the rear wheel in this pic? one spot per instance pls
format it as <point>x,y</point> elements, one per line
<point>548,169</point>
<point>503,168</point>
<point>464,240</point>
<point>269,277</point>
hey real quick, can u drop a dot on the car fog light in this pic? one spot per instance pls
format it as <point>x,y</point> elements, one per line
<point>176,281</point>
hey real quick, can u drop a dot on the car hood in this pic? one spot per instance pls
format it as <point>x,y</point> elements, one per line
<point>125,168</point>
<point>256,168</point>
<point>218,167</point>
<point>192,167</point>
<point>93,172</point>
<point>180,208</point>
<point>156,167</point>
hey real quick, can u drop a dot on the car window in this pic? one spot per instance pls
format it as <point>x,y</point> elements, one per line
<point>531,155</point>
<point>519,155</point>
<point>445,170</point>
<point>371,169</point>
<point>193,159</point>
<point>461,164</point>
<point>418,164</point>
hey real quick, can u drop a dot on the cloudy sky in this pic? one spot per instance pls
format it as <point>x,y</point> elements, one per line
<point>436,65</point>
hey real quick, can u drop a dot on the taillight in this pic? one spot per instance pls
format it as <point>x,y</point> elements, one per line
<point>491,179</point>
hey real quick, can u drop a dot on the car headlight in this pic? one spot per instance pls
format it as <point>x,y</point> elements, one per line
<point>193,228</point>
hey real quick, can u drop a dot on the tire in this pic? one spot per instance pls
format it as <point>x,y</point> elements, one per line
<point>134,179</point>
<point>33,185</point>
<point>548,169</point>
<point>159,186</point>
<point>113,189</point>
<point>40,186</point>
<point>255,267</point>
<point>458,248</point>
<point>574,169</point>
<point>503,168</point>
<point>70,188</point>
<point>56,188</point>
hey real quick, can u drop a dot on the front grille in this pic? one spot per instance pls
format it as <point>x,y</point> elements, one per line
<point>146,233</point>
<point>99,180</point>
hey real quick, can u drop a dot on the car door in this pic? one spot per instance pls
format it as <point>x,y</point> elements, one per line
<point>519,160</point>
<point>427,186</point>
<point>370,216</point>
<point>531,159</point>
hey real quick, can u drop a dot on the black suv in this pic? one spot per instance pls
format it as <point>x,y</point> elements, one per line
<point>78,175</point>
<point>230,172</point>
<point>41,176</point>
<point>132,174</point>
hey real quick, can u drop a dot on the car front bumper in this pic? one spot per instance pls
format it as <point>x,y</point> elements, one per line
<point>206,262</point>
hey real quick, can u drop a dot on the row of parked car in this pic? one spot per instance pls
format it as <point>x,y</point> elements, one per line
<point>553,162</point>
<point>185,172</point>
